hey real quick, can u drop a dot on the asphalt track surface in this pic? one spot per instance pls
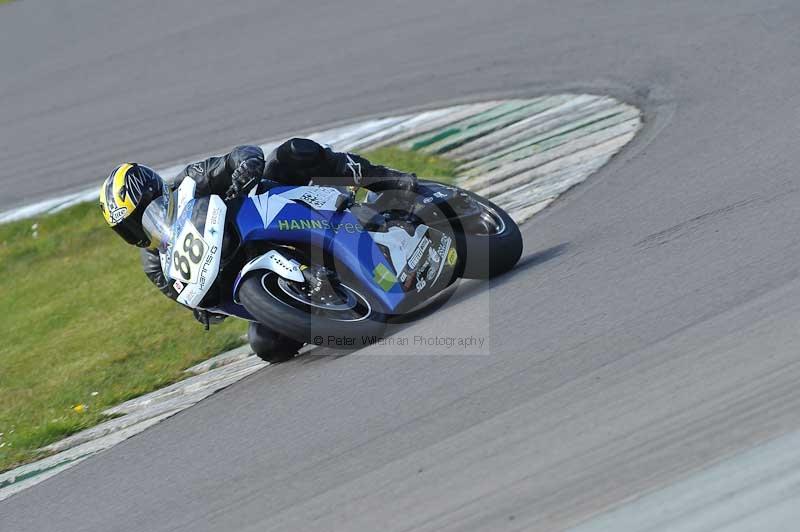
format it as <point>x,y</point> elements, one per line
<point>650,330</point>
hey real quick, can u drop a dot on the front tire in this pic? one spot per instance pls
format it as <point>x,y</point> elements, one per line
<point>266,296</point>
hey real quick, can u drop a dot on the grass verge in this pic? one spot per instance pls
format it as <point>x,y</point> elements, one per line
<point>85,327</point>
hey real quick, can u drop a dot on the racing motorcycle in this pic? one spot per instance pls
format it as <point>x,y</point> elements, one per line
<point>324,264</point>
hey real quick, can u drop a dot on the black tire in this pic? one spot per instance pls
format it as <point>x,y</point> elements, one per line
<point>487,256</point>
<point>271,346</point>
<point>260,295</point>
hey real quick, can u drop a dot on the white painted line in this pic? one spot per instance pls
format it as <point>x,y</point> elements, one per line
<point>458,113</point>
<point>569,153</point>
<point>410,125</point>
<point>551,184</point>
<point>553,106</point>
<point>47,206</point>
<point>543,137</point>
<point>567,125</point>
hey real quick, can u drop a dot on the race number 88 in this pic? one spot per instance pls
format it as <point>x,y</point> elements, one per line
<point>193,249</point>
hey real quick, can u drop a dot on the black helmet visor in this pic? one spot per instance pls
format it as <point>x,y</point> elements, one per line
<point>130,229</point>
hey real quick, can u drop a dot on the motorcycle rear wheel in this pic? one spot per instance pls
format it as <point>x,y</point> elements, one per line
<point>492,246</point>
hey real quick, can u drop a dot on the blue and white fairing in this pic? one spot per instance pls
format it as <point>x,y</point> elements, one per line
<point>308,216</point>
<point>393,266</point>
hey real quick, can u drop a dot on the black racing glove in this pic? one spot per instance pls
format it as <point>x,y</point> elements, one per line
<point>245,177</point>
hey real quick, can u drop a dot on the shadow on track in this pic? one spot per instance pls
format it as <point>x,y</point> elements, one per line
<point>459,291</point>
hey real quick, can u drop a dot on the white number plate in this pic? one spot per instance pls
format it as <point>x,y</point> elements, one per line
<point>187,254</point>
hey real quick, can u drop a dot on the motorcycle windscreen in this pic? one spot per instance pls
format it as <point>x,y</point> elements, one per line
<point>157,221</point>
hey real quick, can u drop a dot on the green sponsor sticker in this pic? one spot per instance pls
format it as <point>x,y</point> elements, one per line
<point>384,277</point>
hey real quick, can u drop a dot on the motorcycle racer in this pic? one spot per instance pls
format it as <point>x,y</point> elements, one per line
<point>131,187</point>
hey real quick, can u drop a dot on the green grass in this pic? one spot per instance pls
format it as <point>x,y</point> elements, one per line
<point>84,326</point>
<point>430,166</point>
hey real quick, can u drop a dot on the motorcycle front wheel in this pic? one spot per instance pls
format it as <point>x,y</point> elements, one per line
<point>345,320</point>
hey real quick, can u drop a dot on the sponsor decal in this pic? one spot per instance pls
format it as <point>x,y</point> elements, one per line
<point>452,257</point>
<point>118,214</point>
<point>179,286</point>
<point>300,225</point>
<point>423,266</point>
<point>421,283</point>
<point>354,167</point>
<point>188,295</point>
<point>204,270</point>
<point>383,277</point>
<point>313,199</point>
<point>413,260</point>
<point>214,216</point>
<point>432,271</point>
<point>196,169</point>
<point>444,244</point>
<point>318,198</point>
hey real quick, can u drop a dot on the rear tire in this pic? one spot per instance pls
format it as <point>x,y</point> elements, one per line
<point>487,256</point>
<point>261,295</point>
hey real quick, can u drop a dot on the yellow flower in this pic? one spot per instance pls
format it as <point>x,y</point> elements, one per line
<point>79,408</point>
